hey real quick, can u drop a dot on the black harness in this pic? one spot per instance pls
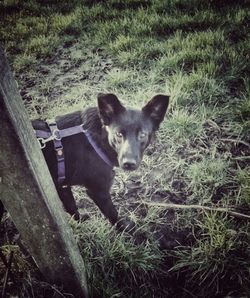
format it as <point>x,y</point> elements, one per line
<point>56,136</point>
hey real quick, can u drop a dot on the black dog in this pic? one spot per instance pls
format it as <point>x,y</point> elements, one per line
<point>121,134</point>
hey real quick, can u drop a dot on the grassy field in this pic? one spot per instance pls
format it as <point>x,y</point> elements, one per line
<point>64,52</point>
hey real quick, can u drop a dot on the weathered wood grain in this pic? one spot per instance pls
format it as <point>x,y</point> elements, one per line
<point>28,193</point>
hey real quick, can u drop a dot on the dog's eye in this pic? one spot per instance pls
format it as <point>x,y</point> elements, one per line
<point>119,134</point>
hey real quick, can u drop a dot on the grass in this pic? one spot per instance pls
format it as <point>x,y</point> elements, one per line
<point>219,253</point>
<point>206,176</point>
<point>139,263</point>
<point>64,53</point>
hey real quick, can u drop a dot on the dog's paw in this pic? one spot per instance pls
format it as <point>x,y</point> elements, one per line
<point>125,225</point>
<point>80,217</point>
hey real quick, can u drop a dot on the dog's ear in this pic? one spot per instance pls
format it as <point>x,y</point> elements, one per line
<point>109,106</point>
<point>156,108</point>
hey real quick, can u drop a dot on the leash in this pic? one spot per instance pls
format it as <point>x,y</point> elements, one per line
<point>56,136</point>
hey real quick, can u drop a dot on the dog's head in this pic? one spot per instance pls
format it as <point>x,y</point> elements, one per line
<point>130,130</point>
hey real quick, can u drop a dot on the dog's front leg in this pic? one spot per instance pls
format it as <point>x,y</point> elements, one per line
<point>68,201</point>
<point>105,204</point>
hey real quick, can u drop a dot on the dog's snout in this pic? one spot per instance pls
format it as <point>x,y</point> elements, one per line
<point>129,164</point>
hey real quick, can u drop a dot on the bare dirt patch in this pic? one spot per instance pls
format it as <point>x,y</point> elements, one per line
<point>67,75</point>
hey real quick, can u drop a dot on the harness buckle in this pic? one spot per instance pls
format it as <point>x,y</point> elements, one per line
<point>55,136</point>
<point>41,143</point>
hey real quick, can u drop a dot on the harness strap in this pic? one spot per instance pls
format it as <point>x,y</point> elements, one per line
<point>97,149</point>
<point>58,149</point>
<point>66,132</point>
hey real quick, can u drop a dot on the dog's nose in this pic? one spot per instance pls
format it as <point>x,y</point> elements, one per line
<point>129,164</point>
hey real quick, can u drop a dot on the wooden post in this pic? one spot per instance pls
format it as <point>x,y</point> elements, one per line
<point>28,193</point>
